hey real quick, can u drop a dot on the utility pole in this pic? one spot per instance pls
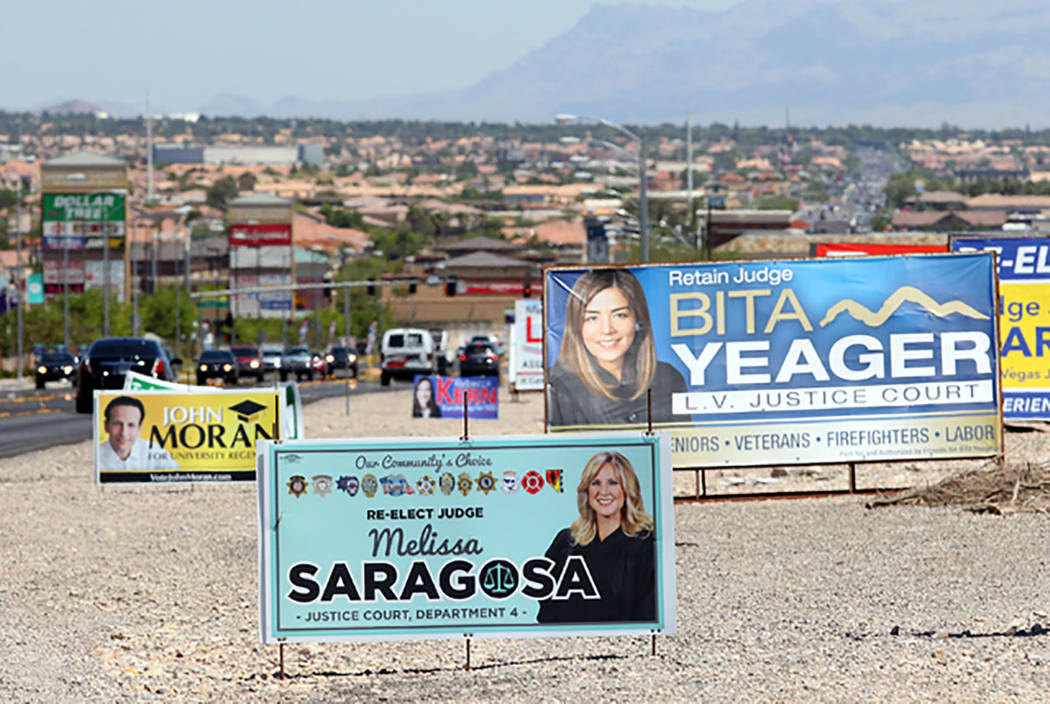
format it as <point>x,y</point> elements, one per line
<point>19,272</point>
<point>689,173</point>
<point>105,280</point>
<point>346,346</point>
<point>65,287</point>
<point>149,154</point>
<point>135,283</point>
<point>186,272</point>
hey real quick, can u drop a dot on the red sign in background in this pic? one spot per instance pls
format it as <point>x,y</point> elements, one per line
<point>260,234</point>
<point>860,249</point>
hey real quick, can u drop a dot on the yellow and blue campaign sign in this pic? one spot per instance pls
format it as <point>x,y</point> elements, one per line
<point>781,362</point>
<point>182,436</point>
<point>516,536</point>
<point>1024,320</point>
<point>292,414</point>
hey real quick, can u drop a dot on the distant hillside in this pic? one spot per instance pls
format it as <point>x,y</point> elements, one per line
<point>71,107</point>
<point>823,62</point>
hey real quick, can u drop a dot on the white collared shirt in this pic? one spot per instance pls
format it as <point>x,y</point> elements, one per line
<point>140,457</point>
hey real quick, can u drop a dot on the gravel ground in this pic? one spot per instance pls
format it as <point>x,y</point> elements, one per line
<point>150,594</point>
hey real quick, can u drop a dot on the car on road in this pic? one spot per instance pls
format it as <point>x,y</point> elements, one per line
<point>217,364</point>
<point>271,358</point>
<point>110,358</point>
<point>479,359</point>
<point>55,366</point>
<point>405,352</point>
<point>298,361</point>
<point>488,340</point>
<point>341,360</point>
<point>446,356</point>
<point>317,361</point>
<point>249,361</point>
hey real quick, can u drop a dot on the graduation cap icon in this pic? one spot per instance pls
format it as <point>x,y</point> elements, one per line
<point>246,409</point>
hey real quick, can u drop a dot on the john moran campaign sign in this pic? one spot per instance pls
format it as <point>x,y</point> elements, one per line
<point>782,362</point>
<point>181,435</point>
<point>512,536</point>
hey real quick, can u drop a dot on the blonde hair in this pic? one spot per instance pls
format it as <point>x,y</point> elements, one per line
<point>574,355</point>
<point>633,518</point>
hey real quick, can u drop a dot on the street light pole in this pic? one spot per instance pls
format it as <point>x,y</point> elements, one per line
<point>643,199</point>
<point>643,208</point>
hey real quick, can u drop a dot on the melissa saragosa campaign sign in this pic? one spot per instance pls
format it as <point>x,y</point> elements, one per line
<point>292,414</point>
<point>495,537</point>
<point>1024,320</point>
<point>436,396</point>
<point>782,362</point>
<point>181,436</point>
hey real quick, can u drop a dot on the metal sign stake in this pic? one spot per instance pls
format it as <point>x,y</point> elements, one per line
<point>466,414</point>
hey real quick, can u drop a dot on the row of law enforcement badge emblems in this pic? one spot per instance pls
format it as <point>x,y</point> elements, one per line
<point>531,482</point>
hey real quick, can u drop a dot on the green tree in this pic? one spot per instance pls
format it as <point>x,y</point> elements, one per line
<point>466,170</point>
<point>776,203</point>
<point>398,243</point>
<point>341,217</point>
<point>200,231</point>
<point>246,181</point>
<point>223,190</point>
<point>899,188</point>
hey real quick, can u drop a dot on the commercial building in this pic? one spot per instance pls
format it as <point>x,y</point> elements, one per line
<point>84,223</point>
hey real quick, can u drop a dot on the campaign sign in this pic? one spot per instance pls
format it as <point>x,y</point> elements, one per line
<point>1024,320</point>
<point>516,536</point>
<point>480,393</point>
<point>782,362</point>
<point>861,249</point>
<point>291,414</point>
<point>526,345</point>
<point>181,436</point>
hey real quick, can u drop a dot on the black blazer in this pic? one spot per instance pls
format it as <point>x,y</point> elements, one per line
<point>623,570</point>
<point>572,403</point>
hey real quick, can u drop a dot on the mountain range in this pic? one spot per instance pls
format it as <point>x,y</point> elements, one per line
<point>810,62</point>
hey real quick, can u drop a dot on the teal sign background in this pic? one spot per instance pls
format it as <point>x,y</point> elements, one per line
<point>318,522</point>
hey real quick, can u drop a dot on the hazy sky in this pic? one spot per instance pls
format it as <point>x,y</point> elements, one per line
<point>183,53</point>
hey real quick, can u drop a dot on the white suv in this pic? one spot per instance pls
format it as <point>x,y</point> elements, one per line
<point>405,353</point>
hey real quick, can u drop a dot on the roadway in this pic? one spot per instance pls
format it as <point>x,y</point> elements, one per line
<point>35,420</point>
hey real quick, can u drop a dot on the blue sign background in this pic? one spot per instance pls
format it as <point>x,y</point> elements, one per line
<point>747,302</point>
<point>481,392</point>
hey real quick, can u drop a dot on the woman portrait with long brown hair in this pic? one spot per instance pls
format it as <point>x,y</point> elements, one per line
<point>607,362</point>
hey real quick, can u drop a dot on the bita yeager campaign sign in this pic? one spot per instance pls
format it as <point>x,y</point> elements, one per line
<point>511,536</point>
<point>786,362</point>
<point>1024,310</point>
<point>182,436</point>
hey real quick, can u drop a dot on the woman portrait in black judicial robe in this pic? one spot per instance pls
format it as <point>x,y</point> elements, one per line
<point>607,361</point>
<point>614,536</point>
